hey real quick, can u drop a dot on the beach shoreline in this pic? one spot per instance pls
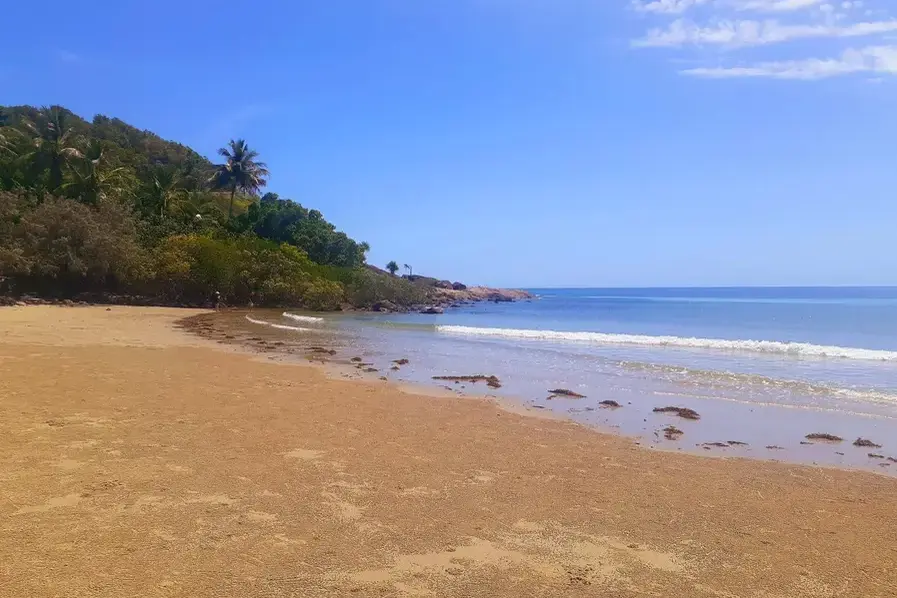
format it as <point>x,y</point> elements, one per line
<point>312,339</point>
<point>176,468</point>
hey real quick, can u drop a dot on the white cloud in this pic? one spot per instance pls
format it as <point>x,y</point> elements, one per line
<point>880,60</point>
<point>774,5</point>
<point>824,26</point>
<point>682,32</point>
<point>669,7</point>
<point>677,7</point>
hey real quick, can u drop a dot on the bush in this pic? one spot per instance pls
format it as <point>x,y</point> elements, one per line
<point>365,287</point>
<point>190,268</point>
<point>13,207</point>
<point>63,247</point>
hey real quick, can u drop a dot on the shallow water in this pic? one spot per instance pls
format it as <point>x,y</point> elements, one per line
<point>762,366</point>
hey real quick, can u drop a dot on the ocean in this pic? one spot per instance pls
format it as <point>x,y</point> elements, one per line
<point>762,366</point>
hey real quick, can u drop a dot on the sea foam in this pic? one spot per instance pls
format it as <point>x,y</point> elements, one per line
<point>278,326</point>
<point>750,346</point>
<point>298,318</point>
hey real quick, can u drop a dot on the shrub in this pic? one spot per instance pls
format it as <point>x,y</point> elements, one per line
<point>190,268</point>
<point>365,287</point>
<point>63,247</point>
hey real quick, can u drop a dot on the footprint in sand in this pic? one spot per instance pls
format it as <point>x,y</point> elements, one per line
<point>345,511</point>
<point>69,500</point>
<point>213,499</point>
<point>483,477</point>
<point>82,444</point>
<point>284,541</point>
<point>261,517</point>
<point>421,491</point>
<point>304,454</point>
<point>349,487</point>
<point>68,464</point>
<point>544,549</point>
<point>528,526</point>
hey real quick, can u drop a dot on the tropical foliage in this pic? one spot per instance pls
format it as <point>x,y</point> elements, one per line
<point>240,171</point>
<point>101,206</point>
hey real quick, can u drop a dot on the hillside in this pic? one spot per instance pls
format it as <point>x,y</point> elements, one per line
<point>102,207</point>
<point>106,211</point>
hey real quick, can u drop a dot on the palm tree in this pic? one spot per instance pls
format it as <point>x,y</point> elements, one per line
<point>240,171</point>
<point>197,207</point>
<point>52,144</point>
<point>167,185</point>
<point>393,267</point>
<point>13,145</point>
<point>91,181</point>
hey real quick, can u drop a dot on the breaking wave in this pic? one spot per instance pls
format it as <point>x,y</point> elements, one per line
<point>750,346</point>
<point>298,318</point>
<point>278,326</point>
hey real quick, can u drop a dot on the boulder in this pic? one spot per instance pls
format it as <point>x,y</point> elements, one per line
<point>385,306</point>
<point>432,310</point>
<point>424,280</point>
<point>457,286</point>
<point>444,284</point>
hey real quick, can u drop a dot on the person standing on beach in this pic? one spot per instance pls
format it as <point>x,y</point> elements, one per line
<point>217,300</point>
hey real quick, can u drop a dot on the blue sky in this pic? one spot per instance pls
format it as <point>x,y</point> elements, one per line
<point>523,142</point>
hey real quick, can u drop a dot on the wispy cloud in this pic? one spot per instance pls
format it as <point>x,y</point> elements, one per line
<point>879,60</point>
<point>677,7</point>
<point>775,5</point>
<point>755,33</point>
<point>667,7</point>
<point>824,26</point>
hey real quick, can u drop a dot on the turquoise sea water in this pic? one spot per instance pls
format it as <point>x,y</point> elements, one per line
<point>762,365</point>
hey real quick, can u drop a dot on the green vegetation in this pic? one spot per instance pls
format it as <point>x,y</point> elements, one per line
<point>393,267</point>
<point>101,207</point>
<point>240,171</point>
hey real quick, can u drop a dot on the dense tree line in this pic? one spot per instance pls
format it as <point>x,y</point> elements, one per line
<point>102,206</point>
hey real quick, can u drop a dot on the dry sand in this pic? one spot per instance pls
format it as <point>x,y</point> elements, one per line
<point>136,460</point>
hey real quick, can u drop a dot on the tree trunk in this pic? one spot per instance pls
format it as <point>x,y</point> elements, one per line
<point>55,174</point>
<point>230,211</point>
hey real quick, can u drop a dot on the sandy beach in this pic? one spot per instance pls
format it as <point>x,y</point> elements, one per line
<point>139,460</point>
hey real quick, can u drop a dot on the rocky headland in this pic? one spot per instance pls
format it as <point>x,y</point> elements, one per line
<point>443,294</point>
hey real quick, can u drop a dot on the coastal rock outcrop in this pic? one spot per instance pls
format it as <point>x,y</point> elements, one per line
<point>385,306</point>
<point>456,294</point>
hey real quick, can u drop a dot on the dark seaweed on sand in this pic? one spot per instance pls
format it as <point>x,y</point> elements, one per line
<point>683,412</point>
<point>566,392</point>
<point>824,436</point>
<point>491,381</point>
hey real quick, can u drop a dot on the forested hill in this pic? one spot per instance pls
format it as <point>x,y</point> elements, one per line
<point>123,144</point>
<point>104,207</point>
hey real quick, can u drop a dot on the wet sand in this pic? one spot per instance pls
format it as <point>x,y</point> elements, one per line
<point>136,459</point>
<point>727,425</point>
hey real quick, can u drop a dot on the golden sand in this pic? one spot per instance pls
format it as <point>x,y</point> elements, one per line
<point>136,460</point>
